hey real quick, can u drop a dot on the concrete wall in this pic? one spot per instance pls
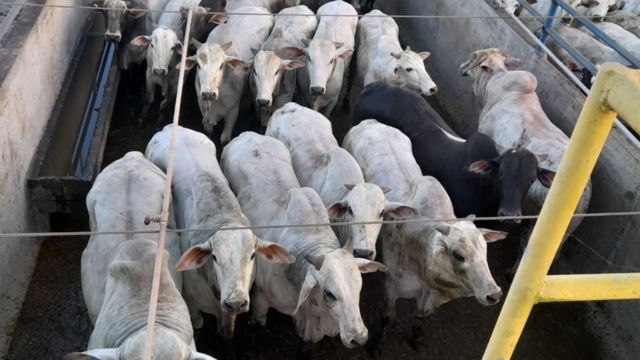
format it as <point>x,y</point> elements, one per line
<point>28,94</point>
<point>615,180</point>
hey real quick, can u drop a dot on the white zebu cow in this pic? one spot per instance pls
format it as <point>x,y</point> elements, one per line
<point>322,165</point>
<point>315,4</point>
<point>122,196</point>
<point>321,290</point>
<point>272,5</point>
<point>432,263</point>
<point>513,117</point>
<point>239,37</point>
<point>272,81</point>
<point>597,9</point>
<point>121,328</point>
<point>592,49</point>
<point>222,261</point>
<point>163,47</point>
<point>381,58</point>
<point>624,38</point>
<point>328,55</point>
<point>120,18</point>
<point>625,19</point>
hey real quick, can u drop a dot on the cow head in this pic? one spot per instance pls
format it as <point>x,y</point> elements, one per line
<point>211,60</point>
<point>322,56</point>
<point>365,203</point>
<point>487,62</point>
<point>333,282</point>
<point>510,6</point>
<point>409,72</point>
<point>115,11</point>
<point>458,265</point>
<point>267,74</point>
<point>162,47</point>
<point>513,172</point>
<point>168,344</point>
<point>598,9</point>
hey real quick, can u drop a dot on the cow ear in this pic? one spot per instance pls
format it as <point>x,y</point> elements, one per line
<point>443,229</point>
<point>274,253</point>
<point>292,51</point>
<point>546,176</point>
<point>292,64</point>
<point>399,211</point>
<point>345,54</point>
<point>483,166</point>
<point>493,235</point>
<point>316,261</point>
<point>95,354</point>
<point>194,258</point>
<point>396,55</point>
<point>424,55</point>
<point>178,47</point>
<point>219,19</point>
<point>238,66</point>
<point>368,266</point>
<point>141,40</point>
<point>200,356</point>
<point>337,209</point>
<point>307,286</point>
<point>226,46</point>
<point>513,63</point>
<point>337,44</point>
<point>189,63</point>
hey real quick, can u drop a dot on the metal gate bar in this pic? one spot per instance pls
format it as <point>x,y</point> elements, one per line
<point>616,90</point>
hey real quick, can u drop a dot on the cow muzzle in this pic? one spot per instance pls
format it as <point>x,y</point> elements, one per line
<point>160,72</point>
<point>510,213</point>
<point>115,37</point>
<point>236,305</point>
<point>263,102</point>
<point>209,95</point>
<point>317,90</point>
<point>430,91</point>
<point>491,298</point>
<point>356,340</point>
<point>364,253</point>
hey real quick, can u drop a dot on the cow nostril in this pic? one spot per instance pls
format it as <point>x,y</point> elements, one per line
<point>209,95</point>
<point>493,299</point>
<point>354,342</point>
<point>433,90</point>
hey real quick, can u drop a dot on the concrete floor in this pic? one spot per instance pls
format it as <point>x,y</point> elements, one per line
<point>54,321</point>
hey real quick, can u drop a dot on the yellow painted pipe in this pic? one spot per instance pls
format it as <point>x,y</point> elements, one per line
<point>585,145</point>
<point>590,287</point>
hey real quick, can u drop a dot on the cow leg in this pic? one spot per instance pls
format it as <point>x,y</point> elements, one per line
<point>165,94</point>
<point>149,83</point>
<point>260,306</point>
<point>392,297</point>
<point>229,123</point>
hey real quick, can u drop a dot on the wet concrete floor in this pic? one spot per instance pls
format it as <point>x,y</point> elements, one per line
<point>54,320</point>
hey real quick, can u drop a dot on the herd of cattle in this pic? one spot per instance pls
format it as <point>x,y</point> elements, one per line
<point>400,161</point>
<point>618,19</point>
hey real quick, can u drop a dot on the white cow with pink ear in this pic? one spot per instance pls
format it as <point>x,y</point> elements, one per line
<point>321,290</point>
<point>513,116</point>
<point>322,165</point>
<point>434,261</point>
<point>380,57</point>
<point>328,55</point>
<point>218,265</point>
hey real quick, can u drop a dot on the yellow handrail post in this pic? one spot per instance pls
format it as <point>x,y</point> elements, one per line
<point>585,145</point>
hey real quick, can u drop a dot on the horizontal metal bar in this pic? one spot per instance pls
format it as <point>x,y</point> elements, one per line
<point>598,33</point>
<point>560,288</point>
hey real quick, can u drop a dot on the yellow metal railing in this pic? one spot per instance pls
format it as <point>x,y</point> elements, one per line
<point>616,90</point>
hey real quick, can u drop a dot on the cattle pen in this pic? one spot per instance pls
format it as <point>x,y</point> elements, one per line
<point>69,111</point>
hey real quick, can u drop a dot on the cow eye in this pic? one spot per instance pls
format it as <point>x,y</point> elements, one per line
<point>409,70</point>
<point>329,295</point>
<point>215,259</point>
<point>253,255</point>
<point>152,45</point>
<point>350,211</point>
<point>332,61</point>
<point>277,71</point>
<point>221,65</point>
<point>382,213</point>
<point>458,256</point>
